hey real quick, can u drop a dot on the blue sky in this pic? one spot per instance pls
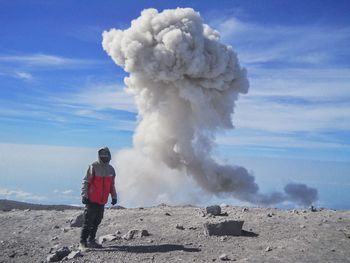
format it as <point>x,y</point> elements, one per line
<point>61,96</point>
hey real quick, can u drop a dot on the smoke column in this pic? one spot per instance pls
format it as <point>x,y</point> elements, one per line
<point>185,83</point>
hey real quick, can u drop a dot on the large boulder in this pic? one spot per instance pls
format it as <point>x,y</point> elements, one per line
<point>214,210</point>
<point>224,228</point>
<point>78,221</point>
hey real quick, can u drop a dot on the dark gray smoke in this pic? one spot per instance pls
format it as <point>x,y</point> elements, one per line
<point>185,83</point>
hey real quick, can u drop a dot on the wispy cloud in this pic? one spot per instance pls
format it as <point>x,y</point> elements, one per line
<point>23,75</point>
<point>46,60</point>
<point>308,44</point>
<point>20,195</point>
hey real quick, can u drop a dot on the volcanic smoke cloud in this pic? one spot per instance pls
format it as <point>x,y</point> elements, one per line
<point>185,84</point>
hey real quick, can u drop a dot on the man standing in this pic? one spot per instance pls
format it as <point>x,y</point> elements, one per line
<point>97,185</point>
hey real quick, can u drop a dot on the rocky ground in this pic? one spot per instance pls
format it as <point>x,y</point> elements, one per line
<point>176,234</point>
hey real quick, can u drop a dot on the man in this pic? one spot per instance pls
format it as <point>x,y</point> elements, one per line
<point>97,185</point>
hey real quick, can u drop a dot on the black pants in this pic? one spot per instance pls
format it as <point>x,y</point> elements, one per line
<point>93,215</point>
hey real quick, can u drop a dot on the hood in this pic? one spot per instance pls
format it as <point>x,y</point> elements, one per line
<point>104,152</point>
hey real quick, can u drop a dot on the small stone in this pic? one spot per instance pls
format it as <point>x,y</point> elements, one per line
<point>245,209</point>
<point>105,238</point>
<point>141,219</point>
<point>58,255</point>
<point>26,210</point>
<point>56,227</point>
<point>74,254</point>
<point>12,254</point>
<point>65,230</point>
<point>167,214</point>
<point>144,233</point>
<point>192,228</point>
<point>180,227</point>
<point>224,257</point>
<point>78,221</point>
<point>269,215</point>
<point>118,232</point>
<point>133,233</point>
<point>141,208</point>
<point>333,249</point>
<point>223,238</point>
<point>54,238</point>
<point>130,235</point>
<point>268,249</point>
<point>302,226</point>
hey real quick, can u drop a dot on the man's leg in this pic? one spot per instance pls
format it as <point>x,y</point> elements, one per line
<point>89,218</point>
<point>95,224</point>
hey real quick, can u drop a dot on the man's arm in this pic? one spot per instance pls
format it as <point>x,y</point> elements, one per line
<point>113,192</point>
<point>86,182</point>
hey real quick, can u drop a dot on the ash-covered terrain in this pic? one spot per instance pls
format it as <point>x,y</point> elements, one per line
<point>177,234</point>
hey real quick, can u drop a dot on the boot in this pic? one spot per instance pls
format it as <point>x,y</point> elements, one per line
<point>83,247</point>
<point>93,244</point>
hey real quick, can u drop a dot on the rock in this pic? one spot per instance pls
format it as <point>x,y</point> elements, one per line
<point>78,221</point>
<point>74,254</point>
<point>56,227</point>
<point>245,209</point>
<point>105,238</point>
<point>144,233</point>
<point>135,233</point>
<point>225,228</point>
<point>130,235</point>
<point>54,238</point>
<point>192,228</point>
<point>313,209</point>
<point>27,210</point>
<point>269,215</point>
<point>58,255</point>
<point>167,214</point>
<point>180,227</point>
<point>223,238</point>
<point>65,230</point>
<point>268,249</point>
<point>214,210</point>
<point>224,257</point>
<point>118,232</point>
<point>12,254</point>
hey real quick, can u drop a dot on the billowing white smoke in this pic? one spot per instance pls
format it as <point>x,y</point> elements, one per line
<point>185,84</point>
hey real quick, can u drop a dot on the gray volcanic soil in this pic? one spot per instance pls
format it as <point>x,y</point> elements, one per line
<point>271,235</point>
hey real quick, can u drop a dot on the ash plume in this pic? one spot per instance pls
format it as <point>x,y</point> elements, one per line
<point>185,83</point>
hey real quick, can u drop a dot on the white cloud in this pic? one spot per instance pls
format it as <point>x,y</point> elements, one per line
<point>46,60</point>
<point>20,195</point>
<point>258,43</point>
<point>24,75</point>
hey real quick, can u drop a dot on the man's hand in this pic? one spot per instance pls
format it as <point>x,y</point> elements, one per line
<point>85,200</point>
<point>114,201</point>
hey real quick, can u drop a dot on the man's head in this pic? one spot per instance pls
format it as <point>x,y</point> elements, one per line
<point>104,155</point>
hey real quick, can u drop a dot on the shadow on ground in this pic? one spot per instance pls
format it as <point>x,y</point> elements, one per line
<point>150,248</point>
<point>248,234</point>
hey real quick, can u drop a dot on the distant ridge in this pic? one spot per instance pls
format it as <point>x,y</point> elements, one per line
<point>8,205</point>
